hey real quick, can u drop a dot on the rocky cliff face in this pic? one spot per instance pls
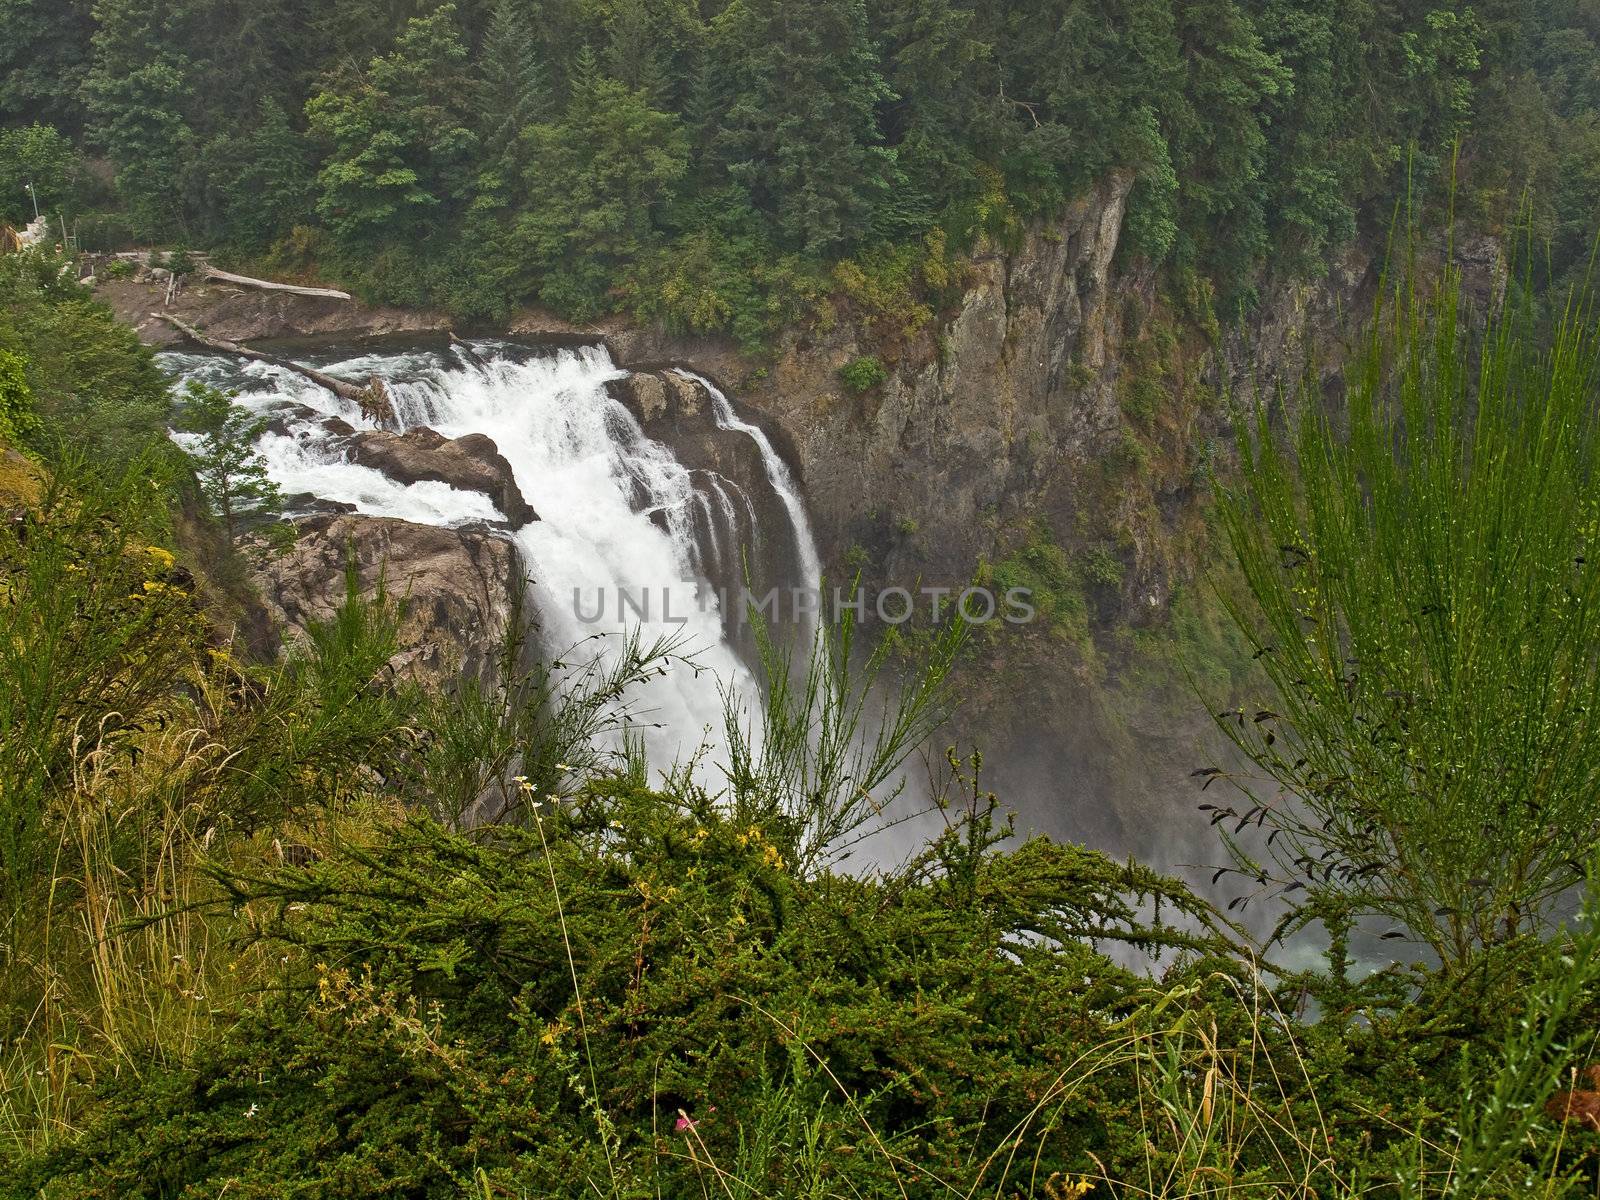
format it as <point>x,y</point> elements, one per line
<point>457,588</point>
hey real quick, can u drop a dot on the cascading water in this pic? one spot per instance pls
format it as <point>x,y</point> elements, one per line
<point>623,526</point>
<point>782,481</point>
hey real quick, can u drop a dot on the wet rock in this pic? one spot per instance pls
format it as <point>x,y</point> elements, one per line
<point>306,504</point>
<point>469,464</point>
<point>455,587</point>
<point>286,418</point>
<point>727,471</point>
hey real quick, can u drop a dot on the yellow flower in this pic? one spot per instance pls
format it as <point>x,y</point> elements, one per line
<point>1060,1187</point>
<point>163,559</point>
<point>552,1033</point>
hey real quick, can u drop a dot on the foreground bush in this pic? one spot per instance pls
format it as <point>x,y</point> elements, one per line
<point>636,997</point>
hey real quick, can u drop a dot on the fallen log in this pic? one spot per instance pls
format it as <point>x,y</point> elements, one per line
<point>373,397</point>
<point>209,272</point>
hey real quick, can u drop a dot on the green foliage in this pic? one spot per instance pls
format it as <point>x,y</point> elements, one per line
<point>399,150</point>
<point>1422,603</point>
<point>92,634</point>
<point>17,416</point>
<point>596,178</point>
<point>863,374</point>
<point>43,60</point>
<point>821,761</point>
<point>41,156</point>
<point>738,153</point>
<point>233,476</point>
<point>799,132</point>
<point>1103,568</point>
<point>1040,567</point>
<point>519,1025</point>
<point>96,388</point>
<point>263,178</point>
<point>244,957</point>
<point>136,91</point>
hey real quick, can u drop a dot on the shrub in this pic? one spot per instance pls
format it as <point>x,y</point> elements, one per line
<point>17,416</point>
<point>863,374</point>
<point>1422,596</point>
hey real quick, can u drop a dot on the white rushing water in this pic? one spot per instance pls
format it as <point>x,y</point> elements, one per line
<point>619,515</point>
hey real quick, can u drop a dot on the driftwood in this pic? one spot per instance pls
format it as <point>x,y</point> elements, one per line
<point>465,349</point>
<point>373,397</point>
<point>210,272</point>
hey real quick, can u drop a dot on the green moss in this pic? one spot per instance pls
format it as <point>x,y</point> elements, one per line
<point>1102,567</point>
<point>1040,567</point>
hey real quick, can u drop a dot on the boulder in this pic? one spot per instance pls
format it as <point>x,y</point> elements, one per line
<point>456,588</point>
<point>470,464</point>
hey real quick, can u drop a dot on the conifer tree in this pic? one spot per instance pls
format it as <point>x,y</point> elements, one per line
<point>44,58</point>
<point>513,85</point>
<point>598,174</point>
<point>401,150</point>
<point>800,132</point>
<point>233,475</point>
<point>137,90</point>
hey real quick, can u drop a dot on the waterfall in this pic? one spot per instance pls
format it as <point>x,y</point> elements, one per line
<point>781,478</point>
<point>620,516</point>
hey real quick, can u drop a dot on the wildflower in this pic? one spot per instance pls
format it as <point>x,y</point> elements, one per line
<point>1059,1187</point>
<point>565,767</point>
<point>251,1111</point>
<point>683,1124</point>
<point>616,824</point>
<point>552,1033</point>
<point>163,559</point>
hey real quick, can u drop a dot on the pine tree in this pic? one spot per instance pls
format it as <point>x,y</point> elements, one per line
<point>800,132</point>
<point>44,57</point>
<point>1219,140</point>
<point>633,53</point>
<point>233,475</point>
<point>263,179</point>
<point>137,89</point>
<point>513,84</point>
<point>937,69</point>
<point>400,148</point>
<point>599,173</point>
